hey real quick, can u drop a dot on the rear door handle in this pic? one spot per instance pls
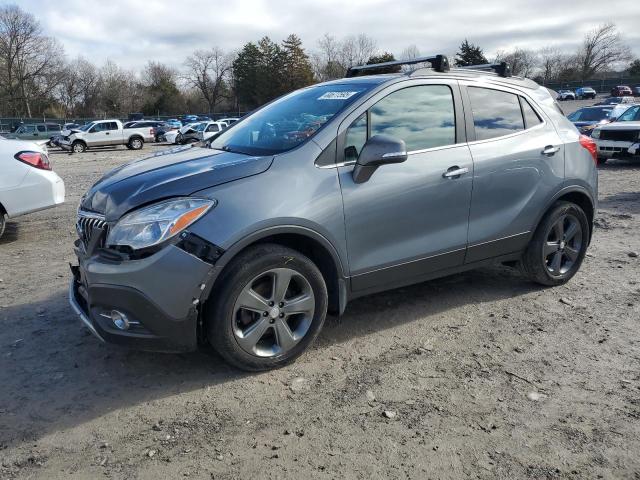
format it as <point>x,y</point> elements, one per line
<point>550,150</point>
<point>455,172</point>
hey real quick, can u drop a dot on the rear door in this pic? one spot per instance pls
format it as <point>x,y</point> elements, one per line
<point>518,163</point>
<point>408,220</point>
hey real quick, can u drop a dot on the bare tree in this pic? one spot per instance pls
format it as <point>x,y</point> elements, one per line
<point>28,66</point>
<point>356,50</point>
<point>522,62</point>
<point>334,57</point>
<point>207,71</point>
<point>410,53</point>
<point>550,62</point>
<point>601,48</point>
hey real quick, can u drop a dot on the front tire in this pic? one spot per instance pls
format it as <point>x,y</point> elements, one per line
<point>271,306</point>
<point>559,244</point>
<point>78,147</point>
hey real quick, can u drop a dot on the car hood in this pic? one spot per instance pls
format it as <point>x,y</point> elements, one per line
<point>177,172</point>
<point>621,126</point>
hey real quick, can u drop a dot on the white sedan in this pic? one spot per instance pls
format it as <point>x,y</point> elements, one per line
<point>27,183</point>
<point>175,136</point>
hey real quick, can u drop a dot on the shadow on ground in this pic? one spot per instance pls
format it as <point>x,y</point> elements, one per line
<point>55,375</point>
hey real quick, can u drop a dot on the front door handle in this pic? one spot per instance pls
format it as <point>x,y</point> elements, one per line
<point>455,172</point>
<point>107,133</point>
<point>550,150</point>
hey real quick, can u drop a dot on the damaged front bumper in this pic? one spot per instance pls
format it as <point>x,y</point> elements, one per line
<point>158,295</point>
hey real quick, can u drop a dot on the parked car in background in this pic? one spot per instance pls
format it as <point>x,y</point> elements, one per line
<point>174,122</point>
<point>566,95</point>
<point>105,133</point>
<point>175,136</point>
<point>202,132</point>
<point>329,193</point>
<point>27,183</point>
<point>619,139</point>
<point>585,92</point>
<point>203,118</point>
<point>159,127</point>
<point>621,91</point>
<point>616,100</point>
<point>189,119</point>
<point>35,131</point>
<point>229,121</point>
<point>587,118</point>
<point>636,90</point>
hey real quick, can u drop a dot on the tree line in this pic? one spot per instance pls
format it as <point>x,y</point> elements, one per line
<point>36,79</point>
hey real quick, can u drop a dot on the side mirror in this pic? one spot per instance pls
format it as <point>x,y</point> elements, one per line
<point>379,150</point>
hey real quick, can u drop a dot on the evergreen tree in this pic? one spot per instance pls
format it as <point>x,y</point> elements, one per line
<point>469,54</point>
<point>634,68</point>
<point>297,72</point>
<point>382,58</point>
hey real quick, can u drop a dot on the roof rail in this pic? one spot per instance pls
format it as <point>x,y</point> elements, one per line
<point>501,68</point>
<point>440,63</point>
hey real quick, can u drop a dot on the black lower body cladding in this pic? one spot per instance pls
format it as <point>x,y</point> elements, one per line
<point>158,297</point>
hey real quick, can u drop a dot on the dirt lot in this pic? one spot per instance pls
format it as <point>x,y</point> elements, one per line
<point>483,374</point>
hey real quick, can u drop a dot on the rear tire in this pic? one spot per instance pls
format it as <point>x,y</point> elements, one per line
<point>271,305</point>
<point>558,246</point>
<point>601,161</point>
<point>135,143</point>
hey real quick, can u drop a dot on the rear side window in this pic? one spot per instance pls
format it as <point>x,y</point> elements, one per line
<point>531,118</point>
<point>42,128</point>
<point>495,113</point>
<point>422,116</point>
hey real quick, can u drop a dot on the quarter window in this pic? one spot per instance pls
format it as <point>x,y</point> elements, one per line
<point>356,138</point>
<point>422,116</point>
<point>531,118</point>
<point>495,113</point>
<point>42,128</point>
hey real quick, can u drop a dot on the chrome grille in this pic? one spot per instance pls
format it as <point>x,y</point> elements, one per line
<point>87,222</point>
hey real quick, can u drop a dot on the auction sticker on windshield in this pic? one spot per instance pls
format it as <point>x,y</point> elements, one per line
<point>337,95</point>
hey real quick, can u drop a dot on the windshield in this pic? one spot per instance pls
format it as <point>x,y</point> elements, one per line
<point>289,121</point>
<point>86,126</point>
<point>591,114</point>
<point>200,127</point>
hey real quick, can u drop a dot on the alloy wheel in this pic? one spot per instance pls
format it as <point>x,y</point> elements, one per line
<point>563,245</point>
<point>273,312</point>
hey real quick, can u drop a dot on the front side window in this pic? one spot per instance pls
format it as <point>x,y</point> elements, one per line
<point>291,120</point>
<point>495,113</point>
<point>422,116</point>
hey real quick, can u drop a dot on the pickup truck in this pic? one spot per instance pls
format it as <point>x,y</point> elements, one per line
<point>103,133</point>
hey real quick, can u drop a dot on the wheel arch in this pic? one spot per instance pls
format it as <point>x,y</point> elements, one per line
<point>134,136</point>
<point>574,194</point>
<point>304,240</point>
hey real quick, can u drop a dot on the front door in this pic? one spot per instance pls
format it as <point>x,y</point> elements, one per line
<point>409,219</point>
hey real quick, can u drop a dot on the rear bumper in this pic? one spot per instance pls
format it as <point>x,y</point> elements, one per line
<point>40,189</point>
<point>159,296</point>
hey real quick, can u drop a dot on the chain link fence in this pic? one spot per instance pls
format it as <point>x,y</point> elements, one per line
<point>600,85</point>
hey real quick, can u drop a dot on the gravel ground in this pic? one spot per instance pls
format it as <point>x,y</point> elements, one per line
<point>477,375</point>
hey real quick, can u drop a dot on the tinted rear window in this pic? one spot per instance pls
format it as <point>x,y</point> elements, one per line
<point>495,113</point>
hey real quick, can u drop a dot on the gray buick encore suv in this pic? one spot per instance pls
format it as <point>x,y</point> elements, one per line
<point>334,191</point>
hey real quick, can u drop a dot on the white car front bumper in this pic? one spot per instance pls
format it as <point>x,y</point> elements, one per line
<point>612,148</point>
<point>40,189</point>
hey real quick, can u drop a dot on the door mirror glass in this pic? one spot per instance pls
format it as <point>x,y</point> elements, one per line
<point>379,150</point>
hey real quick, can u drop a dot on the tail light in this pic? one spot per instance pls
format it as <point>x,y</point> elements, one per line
<point>152,131</point>
<point>35,159</point>
<point>590,145</point>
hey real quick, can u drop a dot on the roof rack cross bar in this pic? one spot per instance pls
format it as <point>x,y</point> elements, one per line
<point>501,68</point>
<point>440,63</point>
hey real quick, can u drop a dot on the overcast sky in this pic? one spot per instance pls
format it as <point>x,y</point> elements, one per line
<point>132,32</point>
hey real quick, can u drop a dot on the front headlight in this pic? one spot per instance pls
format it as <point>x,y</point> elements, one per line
<point>596,133</point>
<point>154,224</point>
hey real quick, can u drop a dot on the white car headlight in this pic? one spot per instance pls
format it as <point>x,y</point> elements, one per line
<point>156,223</point>
<point>595,133</point>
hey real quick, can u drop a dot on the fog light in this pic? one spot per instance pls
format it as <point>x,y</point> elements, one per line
<point>120,320</point>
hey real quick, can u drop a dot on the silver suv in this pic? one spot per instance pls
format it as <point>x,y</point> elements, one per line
<point>332,192</point>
